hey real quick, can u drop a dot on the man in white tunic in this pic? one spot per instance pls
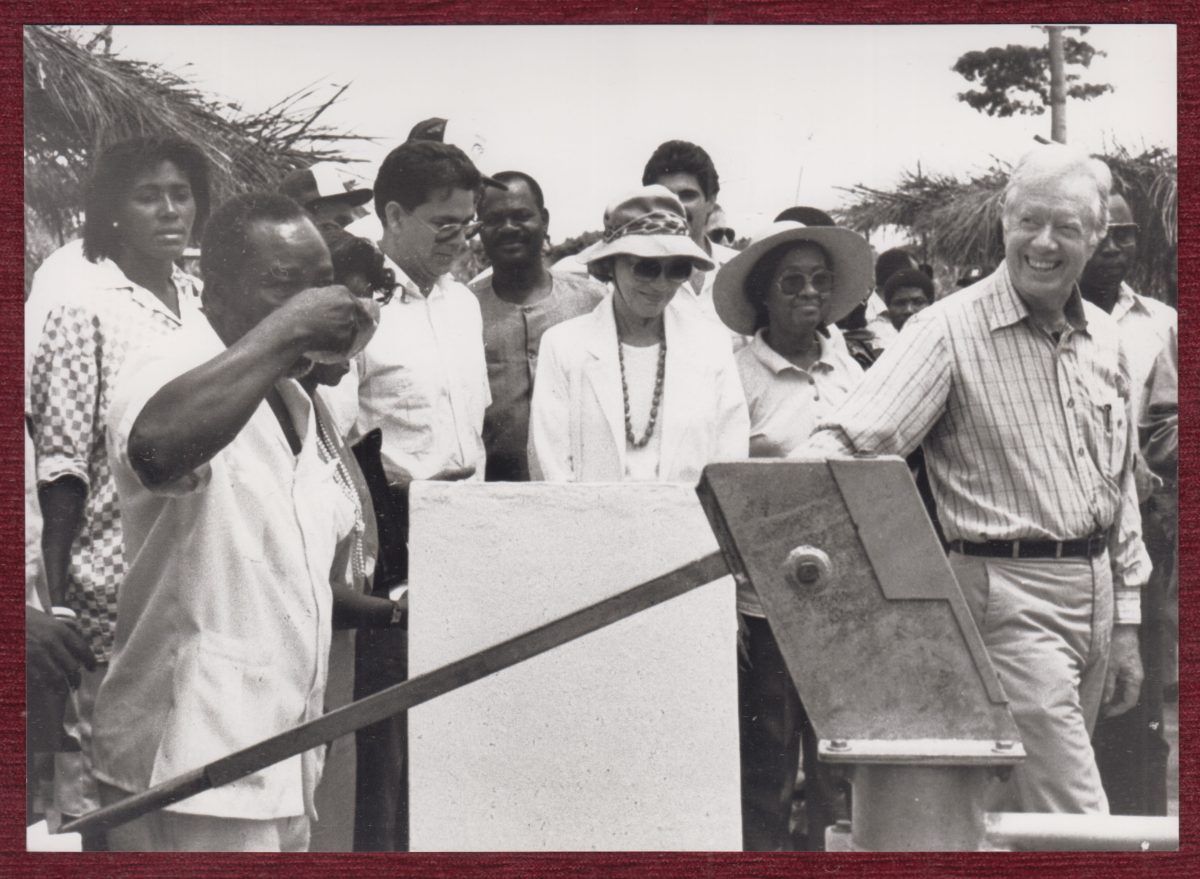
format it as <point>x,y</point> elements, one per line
<point>224,617</point>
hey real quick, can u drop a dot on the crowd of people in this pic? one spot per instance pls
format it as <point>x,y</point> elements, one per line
<point>217,473</point>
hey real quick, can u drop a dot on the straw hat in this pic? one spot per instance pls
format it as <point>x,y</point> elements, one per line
<point>648,222</point>
<point>849,253</point>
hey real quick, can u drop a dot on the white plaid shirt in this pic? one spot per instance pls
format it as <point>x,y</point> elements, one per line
<point>85,341</point>
<point>1025,437</point>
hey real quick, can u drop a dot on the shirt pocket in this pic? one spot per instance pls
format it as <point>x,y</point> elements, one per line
<point>1109,429</point>
<point>226,695</point>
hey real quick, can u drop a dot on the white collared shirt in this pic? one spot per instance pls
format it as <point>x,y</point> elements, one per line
<point>423,380</point>
<point>225,614</point>
<point>1145,324</point>
<point>787,402</point>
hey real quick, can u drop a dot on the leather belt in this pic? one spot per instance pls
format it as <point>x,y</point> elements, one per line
<point>1084,547</point>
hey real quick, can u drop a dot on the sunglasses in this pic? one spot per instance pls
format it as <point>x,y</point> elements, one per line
<point>795,283</point>
<point>447,231</point>
<point>1123,234</point>
<point>677,270</point>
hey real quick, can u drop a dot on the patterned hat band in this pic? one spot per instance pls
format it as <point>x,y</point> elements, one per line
<point>653,223</point>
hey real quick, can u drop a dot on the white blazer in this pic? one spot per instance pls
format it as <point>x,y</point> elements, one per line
<point>577,417</point>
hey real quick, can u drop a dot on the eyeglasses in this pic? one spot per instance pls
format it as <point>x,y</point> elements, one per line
<point>677,270</point>
<point>795,283</point>
<point>1123,234</point>
<point>447,231</point>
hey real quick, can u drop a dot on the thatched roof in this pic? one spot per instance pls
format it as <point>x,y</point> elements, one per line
<point>958,220</point>
<point>79,99</point>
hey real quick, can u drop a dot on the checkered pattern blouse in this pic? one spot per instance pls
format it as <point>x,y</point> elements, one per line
<point>84,343</point>
<point>1026,437</point>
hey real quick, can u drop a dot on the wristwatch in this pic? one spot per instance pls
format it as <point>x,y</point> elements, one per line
<point>397,614</point>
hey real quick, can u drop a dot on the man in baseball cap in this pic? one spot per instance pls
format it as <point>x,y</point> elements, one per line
<point>331,196</point>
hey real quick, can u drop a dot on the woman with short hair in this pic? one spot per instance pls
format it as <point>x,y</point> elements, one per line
<point>147,199</point>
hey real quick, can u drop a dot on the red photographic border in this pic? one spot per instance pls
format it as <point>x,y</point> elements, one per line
<point>15,13</point>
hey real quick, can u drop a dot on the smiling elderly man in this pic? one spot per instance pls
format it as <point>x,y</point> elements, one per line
<point>1019,393</point>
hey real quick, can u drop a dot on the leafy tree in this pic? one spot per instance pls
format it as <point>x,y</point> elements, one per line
<point>1016,79</point>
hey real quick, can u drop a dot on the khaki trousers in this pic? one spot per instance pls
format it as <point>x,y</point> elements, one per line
<point>1047,624</point>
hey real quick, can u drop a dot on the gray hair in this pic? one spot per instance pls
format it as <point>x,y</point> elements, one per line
<point>1057,162</point>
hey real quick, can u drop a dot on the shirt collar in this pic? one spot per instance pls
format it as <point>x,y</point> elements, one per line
<point>777,363</point>
<point>1127,301</point>
<point>109,276</point>
<point>409,287</point>
<point>1009,308</point>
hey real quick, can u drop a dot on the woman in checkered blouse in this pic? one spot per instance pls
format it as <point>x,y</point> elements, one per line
<point>146,198</point>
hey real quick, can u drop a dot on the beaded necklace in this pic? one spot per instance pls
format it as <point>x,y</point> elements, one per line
<point>658,388</point>
<point>342,477</point>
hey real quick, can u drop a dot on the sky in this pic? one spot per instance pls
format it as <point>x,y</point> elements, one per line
<point>790,114</point>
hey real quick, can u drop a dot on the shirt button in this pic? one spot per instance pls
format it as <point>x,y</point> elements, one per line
<point>1080,452</point>
<point>1071,403</point>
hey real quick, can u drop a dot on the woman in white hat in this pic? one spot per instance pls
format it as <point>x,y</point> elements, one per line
<point>636,390</point>
<point>785,288</point>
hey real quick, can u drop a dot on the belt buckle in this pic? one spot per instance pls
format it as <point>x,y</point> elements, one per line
<point>1058,549</point>
<point>1016,549</point>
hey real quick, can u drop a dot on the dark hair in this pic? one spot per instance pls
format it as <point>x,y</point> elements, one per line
<point>416,169</point>
<point>507,177</point>
<point>113,174</point>
<point>806,215</point>
<point>681,157</point>
<point>352,255</point>
<point>908,278</point>
<point>226,247</point>
<point>758,279</point>
<point>891,261</point>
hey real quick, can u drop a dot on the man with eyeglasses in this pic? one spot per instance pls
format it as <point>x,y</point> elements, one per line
<point>520,300</point>
<point>1131,749</point>
<point>423,379</point>
<point>1019,393</point>
<point>423,382</point>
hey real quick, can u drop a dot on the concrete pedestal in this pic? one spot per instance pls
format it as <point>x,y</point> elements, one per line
<point>625,739</point>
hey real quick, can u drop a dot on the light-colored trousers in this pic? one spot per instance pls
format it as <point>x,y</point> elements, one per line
<point>1047,624</point>
<point>164,831</point>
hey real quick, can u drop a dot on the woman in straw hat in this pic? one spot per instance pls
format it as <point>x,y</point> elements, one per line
<point>789,283</point>
<point>637,390</point>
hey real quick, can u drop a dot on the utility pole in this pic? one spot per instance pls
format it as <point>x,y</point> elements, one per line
<point>1058,87</point>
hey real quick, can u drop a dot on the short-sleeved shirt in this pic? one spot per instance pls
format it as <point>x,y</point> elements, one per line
<point>87,337</point>
<point>512,335</point>
<point>225,614</point>
<point>423,380</point>
<point>786,403</point>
